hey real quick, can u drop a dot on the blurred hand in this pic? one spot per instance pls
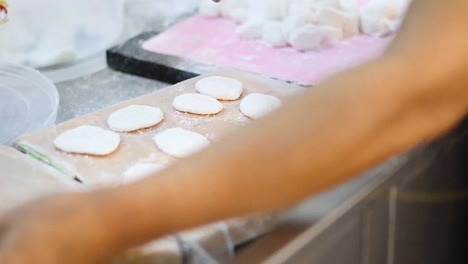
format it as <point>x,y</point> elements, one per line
<point>54,230</point>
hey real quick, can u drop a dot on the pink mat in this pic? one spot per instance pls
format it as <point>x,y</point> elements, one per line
<point>214,41</point>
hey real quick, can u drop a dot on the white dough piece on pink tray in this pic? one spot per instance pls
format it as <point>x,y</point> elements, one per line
<point>381,17</point>
<point>348,22</point>
<point>251,30</point>
<point>228,5</point>
<point>292,23</point>
<point>238,15</point>
<point>311,37</point>
<point>273,35</point>
<point>268,9</point>
<point>209,8</point>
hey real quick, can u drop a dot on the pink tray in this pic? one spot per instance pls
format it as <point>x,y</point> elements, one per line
<point>213,41</point>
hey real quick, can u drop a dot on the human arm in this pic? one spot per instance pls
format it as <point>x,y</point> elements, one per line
<point>356,120</point>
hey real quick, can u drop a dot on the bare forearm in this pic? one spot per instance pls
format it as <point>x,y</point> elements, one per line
<point>314,142</point>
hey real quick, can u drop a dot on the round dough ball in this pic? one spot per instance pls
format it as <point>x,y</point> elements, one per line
<point>88,140</point>
<point>135,117</point>
<point>197,104</point>
<point>257,105</point>
<point>219,87</point>
<point>179,142</point>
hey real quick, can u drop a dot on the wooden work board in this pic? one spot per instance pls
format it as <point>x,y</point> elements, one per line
<point>138,146</point>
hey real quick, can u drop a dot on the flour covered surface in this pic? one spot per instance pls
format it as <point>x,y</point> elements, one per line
<point>258,105</point>
<point>96,168</point>
<point>138,157</point>
<point>199,104</point>
<point>135,117</point>
<point>219,87</point>
<point>89,140</point>
<point>179,142</point>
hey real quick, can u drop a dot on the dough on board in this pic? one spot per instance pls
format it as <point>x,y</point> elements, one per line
<point>222,88</point>
<point>197,104</point>
<point>88,140</point>
<point>273,34</point>
<point>179,142</point>
<point>380,17</point>
<point>209,8</point>
<point>250,30</point>
<point>311,37</point>
<point>346,22</point>
<point>258,105</point>
<point>376,17</point>
<point>135,117</point>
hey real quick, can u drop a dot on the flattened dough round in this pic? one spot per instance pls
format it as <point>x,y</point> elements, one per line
<point>222,88</point>
<point>257,105</point>
<point>135,117</point>
<point>179,142</point>
<point>197,104</point>
<point>88,140</point>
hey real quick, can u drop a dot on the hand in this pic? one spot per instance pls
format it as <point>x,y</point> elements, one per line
<point>55,230</point>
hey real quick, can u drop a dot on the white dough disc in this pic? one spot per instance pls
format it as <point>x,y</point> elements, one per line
<point>219,87</point>
<point>197,104</point>
<point>135,117</point>
<point>179,142</point>
<point>88,140</point>
<point>258,105</point>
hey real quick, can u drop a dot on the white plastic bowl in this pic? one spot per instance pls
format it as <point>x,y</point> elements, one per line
<point>28,101</point>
